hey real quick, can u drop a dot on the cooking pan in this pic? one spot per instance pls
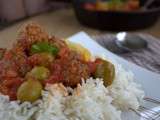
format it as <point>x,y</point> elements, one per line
<point>118,20</point>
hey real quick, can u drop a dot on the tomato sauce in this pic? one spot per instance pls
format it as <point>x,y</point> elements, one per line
<point>67,66</point>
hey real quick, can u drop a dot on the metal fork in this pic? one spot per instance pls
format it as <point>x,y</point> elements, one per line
<point>149,113</point>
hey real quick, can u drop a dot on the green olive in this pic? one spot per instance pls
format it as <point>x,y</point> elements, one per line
<point>39,73</point>
<point>105,70</point>
<point>46,59</point>
<point>29,91</point>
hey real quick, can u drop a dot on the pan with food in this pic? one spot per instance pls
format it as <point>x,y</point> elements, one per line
<point>117,15</point>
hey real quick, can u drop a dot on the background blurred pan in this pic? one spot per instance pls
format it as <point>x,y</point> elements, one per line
<point>118,20</point>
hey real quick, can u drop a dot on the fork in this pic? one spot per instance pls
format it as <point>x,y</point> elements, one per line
<point>147,113</point>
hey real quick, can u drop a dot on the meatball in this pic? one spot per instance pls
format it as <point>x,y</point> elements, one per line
<point>16,61</point>
<point>74,72</point>
<point>30,34</point>
<point>57,42</point>
<point>72,69</point>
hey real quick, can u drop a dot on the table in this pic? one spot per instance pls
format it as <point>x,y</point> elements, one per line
<point>62,23</point>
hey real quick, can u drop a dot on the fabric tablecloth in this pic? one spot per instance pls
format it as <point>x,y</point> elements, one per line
<point>148,58</point>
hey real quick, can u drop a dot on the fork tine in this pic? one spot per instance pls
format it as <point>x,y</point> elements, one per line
<point>152,100</point>
<point>146,113</point>
<point>141,115</point>
<point>157,117</point>
<point>156,101</point>
<point>148,110</point>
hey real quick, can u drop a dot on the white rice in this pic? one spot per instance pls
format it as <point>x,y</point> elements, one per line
<point>124,91</point>
<point>52,105</point>
<point>15,111</point>
<point>89,101</point>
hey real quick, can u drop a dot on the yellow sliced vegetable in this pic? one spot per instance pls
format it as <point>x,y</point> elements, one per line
<point>80,49</point>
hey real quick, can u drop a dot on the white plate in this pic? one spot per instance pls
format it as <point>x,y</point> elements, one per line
<point>150,81</point>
